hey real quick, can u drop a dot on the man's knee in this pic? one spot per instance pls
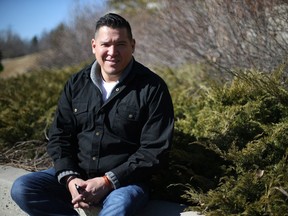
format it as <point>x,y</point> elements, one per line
<point>126,195</point>
<point>19,189</point>
<point>125,200</point>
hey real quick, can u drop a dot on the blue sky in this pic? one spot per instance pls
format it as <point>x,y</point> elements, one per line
<point>29,18</point>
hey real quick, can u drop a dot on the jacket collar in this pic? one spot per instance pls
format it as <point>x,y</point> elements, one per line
<point>95,73</point>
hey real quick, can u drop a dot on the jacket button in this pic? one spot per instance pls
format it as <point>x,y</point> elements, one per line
<point>75,110</point>
<point>117,89</point>
<point>94,158</point>
<point>97,133</point>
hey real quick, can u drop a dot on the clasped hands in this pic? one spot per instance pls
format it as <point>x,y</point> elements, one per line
<point>92,191</point>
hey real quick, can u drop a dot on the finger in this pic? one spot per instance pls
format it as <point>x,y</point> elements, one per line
<point>84,205</point>
<point>78,198</point>
<point>81,205</point>
<point>76,205</point>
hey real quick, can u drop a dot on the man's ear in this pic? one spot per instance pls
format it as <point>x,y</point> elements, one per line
<point>93,45</point>
<point>133,45</point>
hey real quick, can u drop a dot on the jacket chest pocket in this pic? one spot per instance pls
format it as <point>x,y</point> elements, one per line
<point>126,122</point>
<point>80,110</point>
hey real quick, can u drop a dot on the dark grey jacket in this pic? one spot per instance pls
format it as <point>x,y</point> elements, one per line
<point>127,135</point>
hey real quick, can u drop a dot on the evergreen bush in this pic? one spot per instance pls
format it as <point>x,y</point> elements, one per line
<point>27,106</point>
<point>244,123</point>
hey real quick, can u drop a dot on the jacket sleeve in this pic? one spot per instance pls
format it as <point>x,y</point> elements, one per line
<point>155,139</point>
<point>62,146</point>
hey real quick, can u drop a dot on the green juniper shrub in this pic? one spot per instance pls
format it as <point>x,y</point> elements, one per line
<point>245,123</point>
<point>28,103</point>
<point>191,163</point>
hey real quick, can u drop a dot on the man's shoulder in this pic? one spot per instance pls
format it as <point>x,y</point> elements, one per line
<point>83,74</point>
<point>145,73</point>
<point>140,68</point>
<point>78,80</point>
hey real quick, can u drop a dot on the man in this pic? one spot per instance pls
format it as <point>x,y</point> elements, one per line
<point>111,131</point>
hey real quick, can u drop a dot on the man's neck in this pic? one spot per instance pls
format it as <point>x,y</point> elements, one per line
<point>110,78</point>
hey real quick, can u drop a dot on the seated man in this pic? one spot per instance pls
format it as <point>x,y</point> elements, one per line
<point>112,130</point>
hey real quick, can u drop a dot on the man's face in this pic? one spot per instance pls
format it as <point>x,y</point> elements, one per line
<point>113,51</point>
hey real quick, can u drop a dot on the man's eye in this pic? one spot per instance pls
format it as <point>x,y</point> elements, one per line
<point>121,44</point>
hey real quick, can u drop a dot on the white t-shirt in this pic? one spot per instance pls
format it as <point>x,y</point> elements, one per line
<point>107,88</point>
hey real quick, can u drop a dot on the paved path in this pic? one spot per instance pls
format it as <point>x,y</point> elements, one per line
<point>7,176</point>
<point>8,208</point>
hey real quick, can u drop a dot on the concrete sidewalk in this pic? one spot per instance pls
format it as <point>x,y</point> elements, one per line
<point>8,208</point>
<point>7,205</point>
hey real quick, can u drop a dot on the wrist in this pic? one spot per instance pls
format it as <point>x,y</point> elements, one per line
<point>113,179</point>
<point>62,176</point>
<point>107,182</point>
<point>69,179</point>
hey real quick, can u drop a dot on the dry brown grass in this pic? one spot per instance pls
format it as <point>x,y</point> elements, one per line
<point>20,65</point>
<point>29,155</point>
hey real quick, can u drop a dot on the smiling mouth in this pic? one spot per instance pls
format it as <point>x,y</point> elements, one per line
<point>112,61</point>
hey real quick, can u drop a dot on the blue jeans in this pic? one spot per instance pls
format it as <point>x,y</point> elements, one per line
<point>39,193</point>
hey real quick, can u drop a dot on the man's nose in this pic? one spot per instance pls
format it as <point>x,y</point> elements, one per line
<point>112,50</point>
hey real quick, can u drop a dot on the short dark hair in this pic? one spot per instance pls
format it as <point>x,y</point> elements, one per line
<point>114,21</point>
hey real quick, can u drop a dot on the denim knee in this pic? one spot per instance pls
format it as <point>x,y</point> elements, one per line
<point>125,201</point>
<point>18,191</point>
